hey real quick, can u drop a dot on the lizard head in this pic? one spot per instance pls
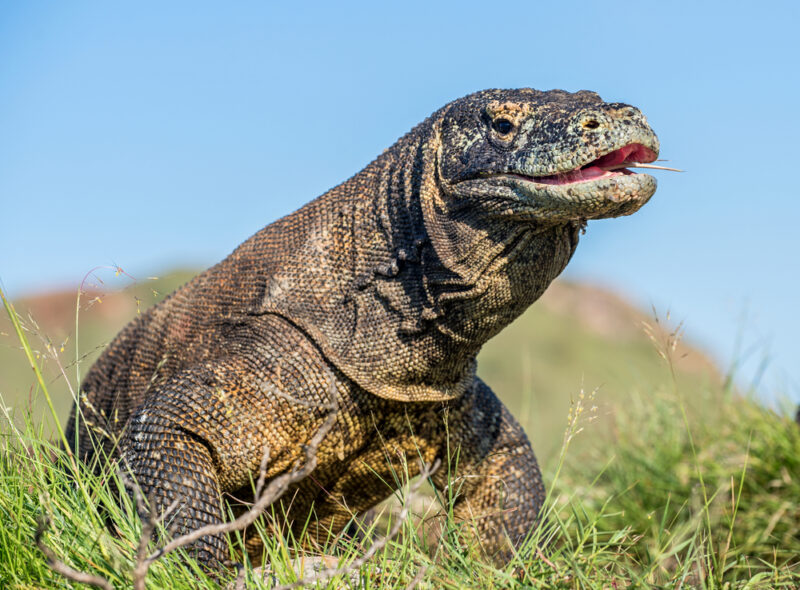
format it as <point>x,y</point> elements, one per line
<point>548,156</point>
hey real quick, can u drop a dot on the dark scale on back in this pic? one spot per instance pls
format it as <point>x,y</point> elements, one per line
<point>383,290</point>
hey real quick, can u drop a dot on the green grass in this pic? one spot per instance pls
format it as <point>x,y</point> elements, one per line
<point>659,479</point>
<point>50,328</point>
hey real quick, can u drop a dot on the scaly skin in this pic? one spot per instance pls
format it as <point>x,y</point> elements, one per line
<point>388,284</point>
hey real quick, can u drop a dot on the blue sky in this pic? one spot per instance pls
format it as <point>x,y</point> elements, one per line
<point>153,135</point>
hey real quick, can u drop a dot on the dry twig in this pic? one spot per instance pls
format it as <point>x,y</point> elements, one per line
<point>425,472</point>
<point>239,583</point>
<point>150,520</point>
<point>274,491</point>
<point>417,578</point>
<point>62,568</point>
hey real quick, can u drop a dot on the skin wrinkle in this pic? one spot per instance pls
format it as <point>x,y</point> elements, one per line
<point>388,284</point>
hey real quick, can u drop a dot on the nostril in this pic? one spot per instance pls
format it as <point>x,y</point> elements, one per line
<point>591,124</point>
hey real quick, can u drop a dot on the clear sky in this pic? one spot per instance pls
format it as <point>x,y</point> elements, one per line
<point>158,134</point>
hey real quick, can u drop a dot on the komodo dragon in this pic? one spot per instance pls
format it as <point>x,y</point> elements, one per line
<point>382,290</point>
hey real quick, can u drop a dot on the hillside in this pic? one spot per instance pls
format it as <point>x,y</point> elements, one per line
<point>576,337</point>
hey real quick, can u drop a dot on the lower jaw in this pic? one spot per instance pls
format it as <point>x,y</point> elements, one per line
<point>613,196</point>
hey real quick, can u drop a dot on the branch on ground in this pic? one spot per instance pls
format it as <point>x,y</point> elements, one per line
<point>62,568</point>
<point>425,472</point>
<point>276,488</point>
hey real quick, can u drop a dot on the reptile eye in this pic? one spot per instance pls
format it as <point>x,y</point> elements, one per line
<point>591,124</point>
<point>502,126</point>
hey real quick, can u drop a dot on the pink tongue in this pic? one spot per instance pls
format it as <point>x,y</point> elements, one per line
<point>573,176</point>
<point>634,152</point>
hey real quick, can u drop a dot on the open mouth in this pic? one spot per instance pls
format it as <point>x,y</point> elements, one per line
<point>615,163</point>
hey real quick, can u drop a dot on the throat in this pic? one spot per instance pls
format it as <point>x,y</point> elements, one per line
<point>500,281</point>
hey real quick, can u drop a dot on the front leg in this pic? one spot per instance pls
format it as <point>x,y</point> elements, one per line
<point>170,465</point>
<point>204,432</point>
<point>493,474</point>
<point>174,447</point>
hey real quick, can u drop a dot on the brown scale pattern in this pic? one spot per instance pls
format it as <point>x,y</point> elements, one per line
<point>385,287</point>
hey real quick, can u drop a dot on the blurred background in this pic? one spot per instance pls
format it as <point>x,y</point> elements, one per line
<point>155,137</point>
